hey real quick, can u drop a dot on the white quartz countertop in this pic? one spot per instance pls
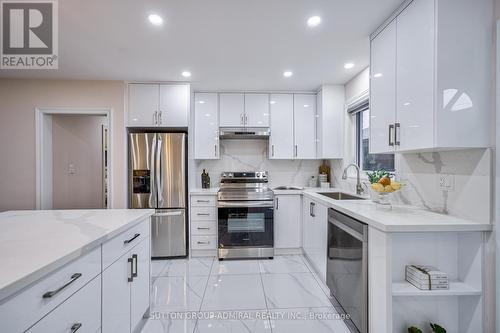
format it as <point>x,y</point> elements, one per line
<point>401,218</point>
<point>204,191</point>
<point>35,243</point>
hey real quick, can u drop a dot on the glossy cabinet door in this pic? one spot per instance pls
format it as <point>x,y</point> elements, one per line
<point>174,105</point>
<point>232,109</point>
<point>383,91</point>
<point>330,122</point>
<point>304,107</point>
<point>281,138</point>
<point>140,292</point>
<point>287,210</point>
<point>307,224</point>
<point>206,123</point>
<point>256,110</point>
<point>143,105</point>
<point>320,239</point>
<point>415,77</point>
<point>116,296</point>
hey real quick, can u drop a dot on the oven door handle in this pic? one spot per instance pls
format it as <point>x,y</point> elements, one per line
<point>245,204</point>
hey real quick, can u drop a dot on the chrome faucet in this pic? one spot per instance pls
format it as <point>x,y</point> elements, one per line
<point>359,187</point>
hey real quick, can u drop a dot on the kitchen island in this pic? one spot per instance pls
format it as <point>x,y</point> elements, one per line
<point>69,269</point>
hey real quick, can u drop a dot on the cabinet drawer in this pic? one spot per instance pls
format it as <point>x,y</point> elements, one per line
<point>27,307</point>
<point>204,200</point>
<point>203,213</point>
<point>203,243</point>
<point>116,247</point>
<point>203,228</point>
<point>82,310</point>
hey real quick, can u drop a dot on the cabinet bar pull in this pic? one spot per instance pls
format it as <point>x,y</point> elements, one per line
<point>242,122</point>
<point>202,214</point>
<point>391,128</point>
<point>206,243</point>
<point>134,271</point>
<point>75,327</point>
<point>207,201</point>
<point>131,239</point>
<point>296,150</point>
<point>246,119</point>
<point>155,117</point>
<point>215,150</point>
<point>200,228</point>
<point>272,149</point>
<point>159,117</point>
<point>397,129</point>
<point>131,262</point>
<point>50,294</point>
<point>312,209</point>
<point>277,203</point>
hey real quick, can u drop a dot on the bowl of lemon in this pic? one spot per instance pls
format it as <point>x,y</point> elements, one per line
<point>382,186</point>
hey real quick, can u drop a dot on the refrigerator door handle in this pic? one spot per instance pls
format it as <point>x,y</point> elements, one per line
<point>152,197</point>
<point>177,213</point>
<point>158,173</point>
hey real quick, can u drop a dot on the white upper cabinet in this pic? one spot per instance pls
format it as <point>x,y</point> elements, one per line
<point>256,110</point>
<point>143,105</point>
<point>281,138</point>
<point>206,125</point>
<point>174,105</point>
<point>330,122</point>
<point>304,126</point>
<point>383,90</point>
<point>442,85</point>
<point>152,105</point>
<point>232,109</point>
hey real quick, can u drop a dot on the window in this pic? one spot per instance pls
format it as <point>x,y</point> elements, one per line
<point>367,161</point>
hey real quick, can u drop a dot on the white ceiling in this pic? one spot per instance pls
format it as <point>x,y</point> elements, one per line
<point>226,44</point>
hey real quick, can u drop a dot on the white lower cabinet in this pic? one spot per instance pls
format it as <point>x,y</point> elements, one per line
<point>125,290</point>
<point>287,210</point>
<point>315,234</point>
<point>203,225</point>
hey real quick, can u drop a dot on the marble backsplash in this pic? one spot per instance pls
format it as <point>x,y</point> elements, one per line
<point>473,186</point>
<point>251,155</point>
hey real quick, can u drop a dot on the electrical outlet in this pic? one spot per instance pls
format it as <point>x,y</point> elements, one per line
<point>447,182</point>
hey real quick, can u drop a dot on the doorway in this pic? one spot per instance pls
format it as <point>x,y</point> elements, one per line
<point>73,158</point>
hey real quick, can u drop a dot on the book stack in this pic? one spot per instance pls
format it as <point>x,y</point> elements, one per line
<point>426,277</point>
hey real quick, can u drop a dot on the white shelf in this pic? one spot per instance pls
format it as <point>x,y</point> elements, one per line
<point>456,289</point>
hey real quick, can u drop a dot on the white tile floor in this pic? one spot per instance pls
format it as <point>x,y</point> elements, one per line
<point>271,296</point>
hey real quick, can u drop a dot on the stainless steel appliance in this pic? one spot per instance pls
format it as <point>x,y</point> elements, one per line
<point>157,179</point>
<point>347,267</point>
<point>245,216</point>
<point>261,133</point>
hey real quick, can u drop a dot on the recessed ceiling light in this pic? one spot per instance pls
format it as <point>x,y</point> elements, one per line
<point>349,65</point>
<point>377,75</point>
<point>186,74</point>
<point>155,19</point>
<point>314,21</point>
<point>287,73</point>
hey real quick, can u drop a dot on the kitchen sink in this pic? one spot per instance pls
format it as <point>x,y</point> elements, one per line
<point>341,196</point>
<point>290,188</point>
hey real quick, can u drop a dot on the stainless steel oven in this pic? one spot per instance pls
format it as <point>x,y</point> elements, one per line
<point>347,268</point>
<point>245,216</point>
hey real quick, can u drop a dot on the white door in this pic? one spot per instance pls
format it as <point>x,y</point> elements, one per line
<point>143,105</point>
<point>304,107</point>
<point>174,105</point>
<point>383,91</point>
<point>281,139</point>
<point>139,293</point>
<point>206,126</point>
<point>257,110</point>
<point>287,210</point>
<point>415,76</point>
<point>232,109</point>
<point>116,296</point>
<point>307,232</point>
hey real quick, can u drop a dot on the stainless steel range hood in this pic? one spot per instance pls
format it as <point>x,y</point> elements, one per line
<point>256,133</point>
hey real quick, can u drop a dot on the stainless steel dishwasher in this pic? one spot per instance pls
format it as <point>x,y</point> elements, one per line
<point>347,267</point>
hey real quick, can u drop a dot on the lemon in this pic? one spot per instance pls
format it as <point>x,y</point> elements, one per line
<point>396,186</point>
<point>378,187</point>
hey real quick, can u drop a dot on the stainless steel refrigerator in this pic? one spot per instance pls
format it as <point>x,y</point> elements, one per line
<point>157,179</point>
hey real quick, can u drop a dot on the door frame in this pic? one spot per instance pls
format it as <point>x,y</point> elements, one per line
<point>43,146</point>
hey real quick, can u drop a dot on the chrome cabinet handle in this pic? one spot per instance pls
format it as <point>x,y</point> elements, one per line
<point>52,293</point>
<point>215,150</point>
<point>205,243</point>
<point>277,203</point>
<point>75,327</point>
<point>202,214</point>
<point>131,262</point>
<point>128,241</point>
<point>391,128</point>
<point>246,119</point>
<point>311,209</point>
<point>296,150</point>
<point>242,122</point>
<point>203,201</point>
<point>397,128</point>
<point>134,266</point>
<point>199,228</point>
<point>272,150</point>
<point>155,117</point>
<point>159,117</point>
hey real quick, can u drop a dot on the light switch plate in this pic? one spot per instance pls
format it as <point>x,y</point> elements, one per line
<point>447,182</point>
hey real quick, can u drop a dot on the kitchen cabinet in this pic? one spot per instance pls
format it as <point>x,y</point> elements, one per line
<point>287,231</point>
<point>304,109</point>
<point>315,234</point>
<point>153,105</point>
<point>125,289</point>
<point>206,125</point>
<point>440,95</point>
<point>232,109</point>
<point>203,225</point>
<point>256,110</point>
<point>330,111</point>
<point>281,138</point>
